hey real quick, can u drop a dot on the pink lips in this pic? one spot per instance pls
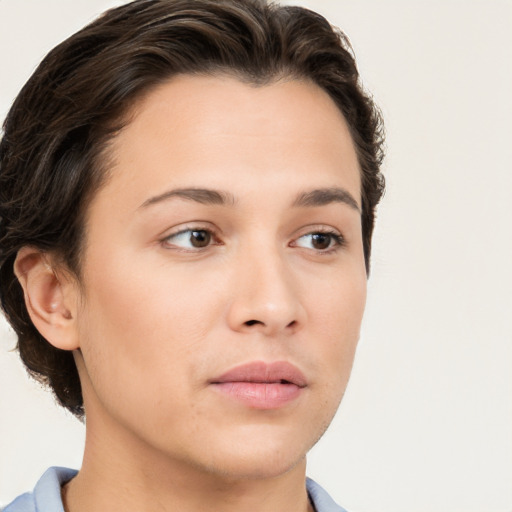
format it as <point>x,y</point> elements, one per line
<point>262,386</point>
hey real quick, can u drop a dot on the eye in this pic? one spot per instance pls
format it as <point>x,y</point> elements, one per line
<point>190,239</point>
<point>320,241</point>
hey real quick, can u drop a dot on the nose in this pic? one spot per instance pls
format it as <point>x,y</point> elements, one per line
<point>265,297</point>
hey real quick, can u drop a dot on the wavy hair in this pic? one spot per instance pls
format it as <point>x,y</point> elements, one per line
<point>53,154</point>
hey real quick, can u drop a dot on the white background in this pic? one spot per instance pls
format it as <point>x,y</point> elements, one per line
<point>426,424</point>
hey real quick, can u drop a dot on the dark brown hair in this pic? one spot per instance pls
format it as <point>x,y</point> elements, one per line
<point>56,133</point>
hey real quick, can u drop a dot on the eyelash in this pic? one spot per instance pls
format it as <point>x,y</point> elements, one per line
<point>338,239</point>
<point>211,233</point>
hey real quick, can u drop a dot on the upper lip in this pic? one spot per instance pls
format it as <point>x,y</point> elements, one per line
<point>262,372</point>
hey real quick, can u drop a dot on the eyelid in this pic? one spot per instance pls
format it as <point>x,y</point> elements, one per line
<point>191,226</point>
<point>318,228</point>
<point>338,237</point>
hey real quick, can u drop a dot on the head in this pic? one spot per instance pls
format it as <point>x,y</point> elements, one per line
<point>85,102</point>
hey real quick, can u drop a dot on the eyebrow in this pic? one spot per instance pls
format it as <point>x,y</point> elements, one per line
<point>324,196</point>
<point>312,198</point>
<point>199,195</point>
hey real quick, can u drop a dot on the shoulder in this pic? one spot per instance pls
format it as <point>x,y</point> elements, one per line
<point>46,495</point>
<point>321,499</point>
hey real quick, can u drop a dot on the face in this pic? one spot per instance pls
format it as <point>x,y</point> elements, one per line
<point>223,278</point>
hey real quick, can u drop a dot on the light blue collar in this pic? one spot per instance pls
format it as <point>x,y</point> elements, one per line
<point>46,496</point>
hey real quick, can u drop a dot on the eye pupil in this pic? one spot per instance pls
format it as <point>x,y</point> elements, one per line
<point>321,240</point>
<point>200,238</point>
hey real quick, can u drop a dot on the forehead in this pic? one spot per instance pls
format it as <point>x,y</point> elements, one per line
<point>219,130</point>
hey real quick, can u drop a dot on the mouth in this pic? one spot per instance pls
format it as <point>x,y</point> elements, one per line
<point>260,385</point>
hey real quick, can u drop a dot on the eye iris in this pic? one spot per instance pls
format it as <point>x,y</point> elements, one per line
<point>200,238</point>
<point>321,240</point>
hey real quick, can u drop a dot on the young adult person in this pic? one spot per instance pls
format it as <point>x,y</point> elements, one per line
<point>187,193</point>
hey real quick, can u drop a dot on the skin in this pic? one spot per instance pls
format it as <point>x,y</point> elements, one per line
<point>155,319</point>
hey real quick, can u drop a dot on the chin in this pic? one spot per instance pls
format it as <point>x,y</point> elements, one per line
<point>248,467</point>
<point>260,458</point>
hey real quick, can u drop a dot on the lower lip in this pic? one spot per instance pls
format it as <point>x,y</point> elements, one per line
<point>260,395</point>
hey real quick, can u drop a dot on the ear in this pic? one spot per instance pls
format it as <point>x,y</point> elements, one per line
<point>50,298</point>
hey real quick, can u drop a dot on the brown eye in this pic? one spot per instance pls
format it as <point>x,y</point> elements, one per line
<point>190,239</point>
<point>200,238</point>
<point>321,241</point>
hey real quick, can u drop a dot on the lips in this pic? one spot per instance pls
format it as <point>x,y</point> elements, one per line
<point>261,385</point>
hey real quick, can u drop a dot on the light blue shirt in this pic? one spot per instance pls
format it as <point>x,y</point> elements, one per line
<point>46,496</point>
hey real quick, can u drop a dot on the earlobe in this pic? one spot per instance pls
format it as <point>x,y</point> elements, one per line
<point>50,298</point>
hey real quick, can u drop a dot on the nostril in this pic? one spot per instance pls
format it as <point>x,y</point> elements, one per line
<point>252,322</point>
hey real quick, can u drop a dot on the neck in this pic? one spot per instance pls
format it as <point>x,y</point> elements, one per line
<point>120,473</point>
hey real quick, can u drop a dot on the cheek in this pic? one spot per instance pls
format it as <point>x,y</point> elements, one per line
<point>149,316</point>
<point>338,308</point>
<point>336,324</point>
<point>139,329</point>
<point>145,299</point>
